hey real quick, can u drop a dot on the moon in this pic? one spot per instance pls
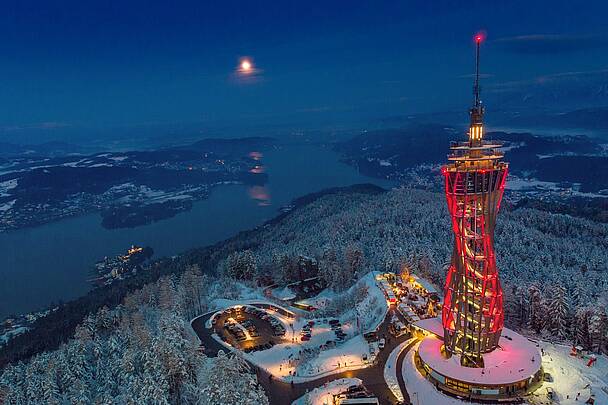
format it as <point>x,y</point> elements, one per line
<point>246,66</point>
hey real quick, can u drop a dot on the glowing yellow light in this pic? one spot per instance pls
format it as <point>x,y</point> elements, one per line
<point>476,132</point>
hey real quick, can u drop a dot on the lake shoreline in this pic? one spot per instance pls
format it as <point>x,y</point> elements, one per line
<point>53,329</point>
<point>48,264</point>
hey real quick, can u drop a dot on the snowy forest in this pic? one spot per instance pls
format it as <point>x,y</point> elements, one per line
<point>552,267</point>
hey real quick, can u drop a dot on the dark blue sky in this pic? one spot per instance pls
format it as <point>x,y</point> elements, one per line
<point>103,63</point>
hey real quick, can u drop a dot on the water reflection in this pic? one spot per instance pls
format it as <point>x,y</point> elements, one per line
<point>257,169</point>
<point>260,194</point>
<point>256,155</point>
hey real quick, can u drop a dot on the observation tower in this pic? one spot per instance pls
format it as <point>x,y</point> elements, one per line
<point>468,352</point>
<point>472,314</point>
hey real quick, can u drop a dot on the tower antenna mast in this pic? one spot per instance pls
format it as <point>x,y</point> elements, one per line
<point>476,89</point>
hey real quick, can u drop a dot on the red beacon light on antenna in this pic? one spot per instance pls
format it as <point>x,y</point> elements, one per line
<point>479,38</point>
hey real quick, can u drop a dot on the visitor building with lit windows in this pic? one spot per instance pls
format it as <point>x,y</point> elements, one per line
<point>468,352</point>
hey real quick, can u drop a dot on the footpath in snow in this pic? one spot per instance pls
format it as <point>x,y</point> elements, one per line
<point>390,370</point>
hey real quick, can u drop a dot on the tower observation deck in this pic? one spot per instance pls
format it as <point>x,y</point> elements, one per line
<point>472,314</point>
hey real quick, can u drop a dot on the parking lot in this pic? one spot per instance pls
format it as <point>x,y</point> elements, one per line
<point>249,329</point>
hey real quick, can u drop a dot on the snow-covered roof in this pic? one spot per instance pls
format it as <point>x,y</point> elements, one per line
<point>407,311</point>
<point>515,359</point>
<point>432,325</point>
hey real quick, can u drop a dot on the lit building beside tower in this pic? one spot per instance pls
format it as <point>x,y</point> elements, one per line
<point>472,315</point>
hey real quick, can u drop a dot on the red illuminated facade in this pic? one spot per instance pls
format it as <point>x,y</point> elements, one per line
<point>472,314</point>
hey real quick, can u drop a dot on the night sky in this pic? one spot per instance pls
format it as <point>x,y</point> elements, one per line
<point>103,63</point>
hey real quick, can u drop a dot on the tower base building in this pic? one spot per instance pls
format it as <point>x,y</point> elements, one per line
<point>510,372</point>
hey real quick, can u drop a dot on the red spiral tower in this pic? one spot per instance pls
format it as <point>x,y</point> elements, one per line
<point>472,314</point>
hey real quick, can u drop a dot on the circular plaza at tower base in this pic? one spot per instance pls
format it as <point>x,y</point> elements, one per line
<point>511,371</point>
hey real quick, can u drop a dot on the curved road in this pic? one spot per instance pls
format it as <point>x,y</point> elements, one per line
<point>281,393</point>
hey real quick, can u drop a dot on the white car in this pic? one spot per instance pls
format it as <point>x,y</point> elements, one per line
<point>381,343</point>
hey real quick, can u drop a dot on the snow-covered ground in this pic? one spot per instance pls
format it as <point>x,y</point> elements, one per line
<point>350,355</point>
<point>324,395</point>
<point>373,309</point>
<point>303,361</point>
<point>572,376</point>
<point>284,293</point>
<point>308,360</point>
<point>7,206</point>
<point>6,186</point>
<point>320,300</point>
<point>390,370</point>
<point>520,184</point>
<point>11,334</point>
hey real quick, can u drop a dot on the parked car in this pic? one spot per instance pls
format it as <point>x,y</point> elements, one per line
<point>381,343</point>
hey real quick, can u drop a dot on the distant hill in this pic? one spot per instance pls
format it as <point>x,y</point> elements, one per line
<point>391,152</point>
<point>44,149</point>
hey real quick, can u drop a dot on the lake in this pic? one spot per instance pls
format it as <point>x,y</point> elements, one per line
<point>49,263</point>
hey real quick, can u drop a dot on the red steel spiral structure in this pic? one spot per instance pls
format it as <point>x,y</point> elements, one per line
<point>472,314</point>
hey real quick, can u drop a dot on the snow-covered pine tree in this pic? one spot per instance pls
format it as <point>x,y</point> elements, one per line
<point>581,327</point>
<point>598,326</point>
<point>241,265</point>
<point>354,260</point>
<point>516,307</point>
<point>192,301</point>
<point>226,379</point>
<point>559,320</point>
<point>537,311</point>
